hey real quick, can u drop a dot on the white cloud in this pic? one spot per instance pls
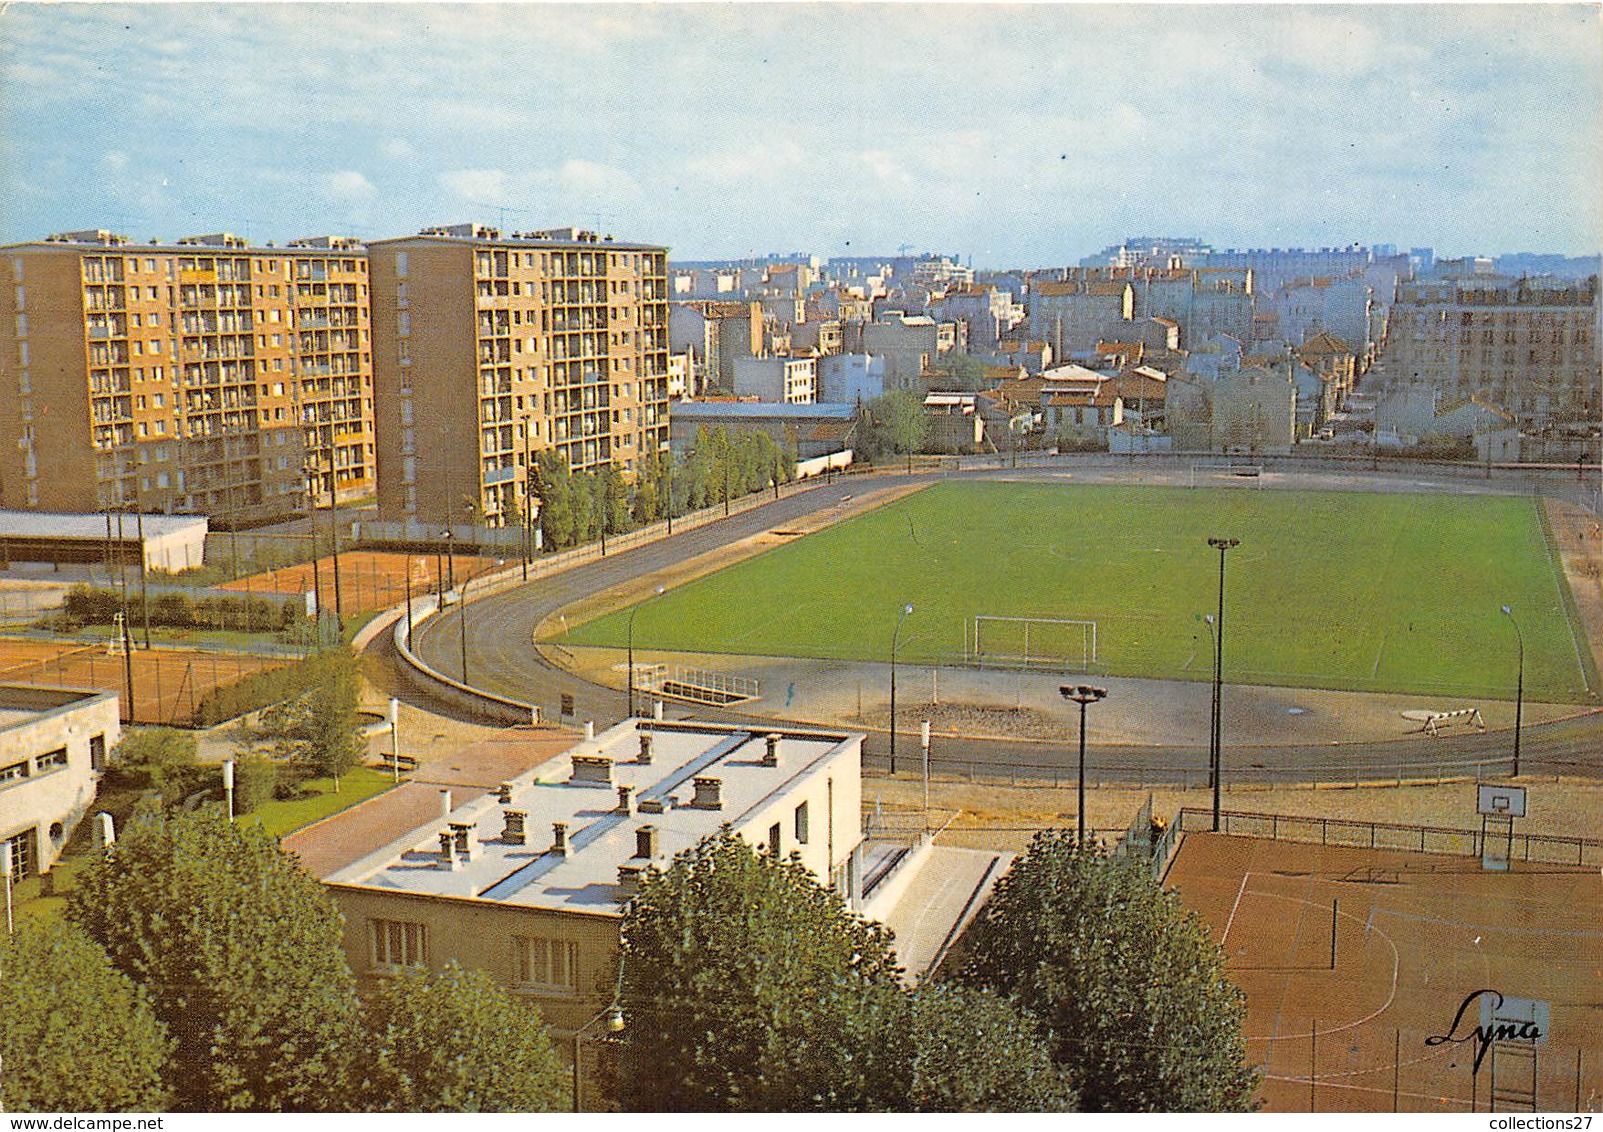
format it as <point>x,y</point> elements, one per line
<point>758,162</point>
<point>115,160</point>
<point>885,167</point>
<point>398,149</point>
<point>348,184</point>
<point>589,177</point>
<point>479,186</point>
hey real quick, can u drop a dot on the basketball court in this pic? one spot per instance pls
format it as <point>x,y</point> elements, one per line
<point>1352,958</point>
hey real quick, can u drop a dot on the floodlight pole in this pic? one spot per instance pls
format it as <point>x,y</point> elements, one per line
<point>1519,688</point>
<point>895,640</point>
<point>1222,545</point>
<point>654,593</point>
<point>1213,705</point>
<point>1084,695</point>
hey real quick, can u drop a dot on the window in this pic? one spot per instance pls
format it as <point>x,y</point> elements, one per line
<point>399,943</point>
<point>22,862</point>
<point>773,839</point>
<point>801,823</point>
<point>97,743</point>
<point>547,963</point>
<point>51,760</point>
<point>14,773</point>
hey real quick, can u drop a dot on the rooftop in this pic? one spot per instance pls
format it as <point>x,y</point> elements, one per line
<point>54,525</point>
<point>22,704</point>
<point>696,778</point>
<point>760,409</point>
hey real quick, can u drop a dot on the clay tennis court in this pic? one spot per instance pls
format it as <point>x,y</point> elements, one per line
<point>369,579</point>
<point>168,683</point>
<point>1415,933</point>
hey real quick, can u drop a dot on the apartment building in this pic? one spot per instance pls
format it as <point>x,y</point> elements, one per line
<point>1071,316</point>
<point>791,380</point>
<point>488,349</point>
<point>1527,345</point>
<point>205,376</point>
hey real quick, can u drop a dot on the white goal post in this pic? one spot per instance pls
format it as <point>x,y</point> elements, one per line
<point>1033,641</point>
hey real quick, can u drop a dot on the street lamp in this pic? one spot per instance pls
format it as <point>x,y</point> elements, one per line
<point>658,592</point>
<point>615,1022</point>
<point>1082,694</point>
<point>1519,688</point>
<point>668,497</point>
<point>1216,760</point>
<point>895,640</point>
<point>1213,710</point>
<point>462,612</point>
<point>613,1017</point>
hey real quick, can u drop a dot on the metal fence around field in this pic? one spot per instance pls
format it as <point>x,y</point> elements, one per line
<point>1535,848</point>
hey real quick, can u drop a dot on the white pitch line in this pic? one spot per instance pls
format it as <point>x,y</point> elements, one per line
<point>1239,893</point>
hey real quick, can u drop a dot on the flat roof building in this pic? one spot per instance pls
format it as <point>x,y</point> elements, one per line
<point>203,377</point>
<point>53,744</point>
<point>171,543</point>
<point>530,884</point>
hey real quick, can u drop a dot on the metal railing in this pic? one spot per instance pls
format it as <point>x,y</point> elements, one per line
<point>1536,848</point>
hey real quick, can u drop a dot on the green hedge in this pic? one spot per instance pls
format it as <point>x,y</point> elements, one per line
<point>97,606</point>
<point>272,686</point>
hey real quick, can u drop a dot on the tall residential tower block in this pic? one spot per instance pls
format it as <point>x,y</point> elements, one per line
<point>204,376</point>
<point>490,349</point>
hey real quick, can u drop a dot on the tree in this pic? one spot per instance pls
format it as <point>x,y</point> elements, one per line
<point>747,986</point>
<point>317,730</point>
<point>897,422</point>
<point>456,1042</point>
<point>240,953</point>
<point>79,1035</point>
<point>974,1051</point>
<point>965,372</point>
<point>1130,986</point>
<point>555,485</point>
<point>154,758</point>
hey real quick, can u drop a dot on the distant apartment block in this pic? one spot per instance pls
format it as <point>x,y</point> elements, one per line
<point>488,349</point>
<point>787,380</point>
<point>1071,316</point>
<point>908,343</point>
<point>1529,346</point>
<point>1275,267</point>
<point>206,376</point>
<point>1343,307</point>
<point>716,333</point>
<point>850,379</point>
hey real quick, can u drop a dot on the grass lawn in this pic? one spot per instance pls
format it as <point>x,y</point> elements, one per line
<point>1350,590</point>
<point>279,818</point>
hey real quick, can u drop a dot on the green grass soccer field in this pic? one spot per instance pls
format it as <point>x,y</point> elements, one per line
<point>1350,590</point>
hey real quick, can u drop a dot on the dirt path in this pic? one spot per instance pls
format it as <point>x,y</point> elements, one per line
<point>1005,817</point>
<point>1580,547</point>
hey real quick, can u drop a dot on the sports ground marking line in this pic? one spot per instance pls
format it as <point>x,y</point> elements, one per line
<point>1396,965</point>
<point>1239,892</point>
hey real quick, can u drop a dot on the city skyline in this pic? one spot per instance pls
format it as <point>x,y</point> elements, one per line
<point>1011,136</point>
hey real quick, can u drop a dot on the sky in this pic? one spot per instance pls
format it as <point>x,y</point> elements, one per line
<point>1026,135</point>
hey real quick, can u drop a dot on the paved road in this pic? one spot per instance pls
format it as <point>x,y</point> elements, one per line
<point>502,659</point>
